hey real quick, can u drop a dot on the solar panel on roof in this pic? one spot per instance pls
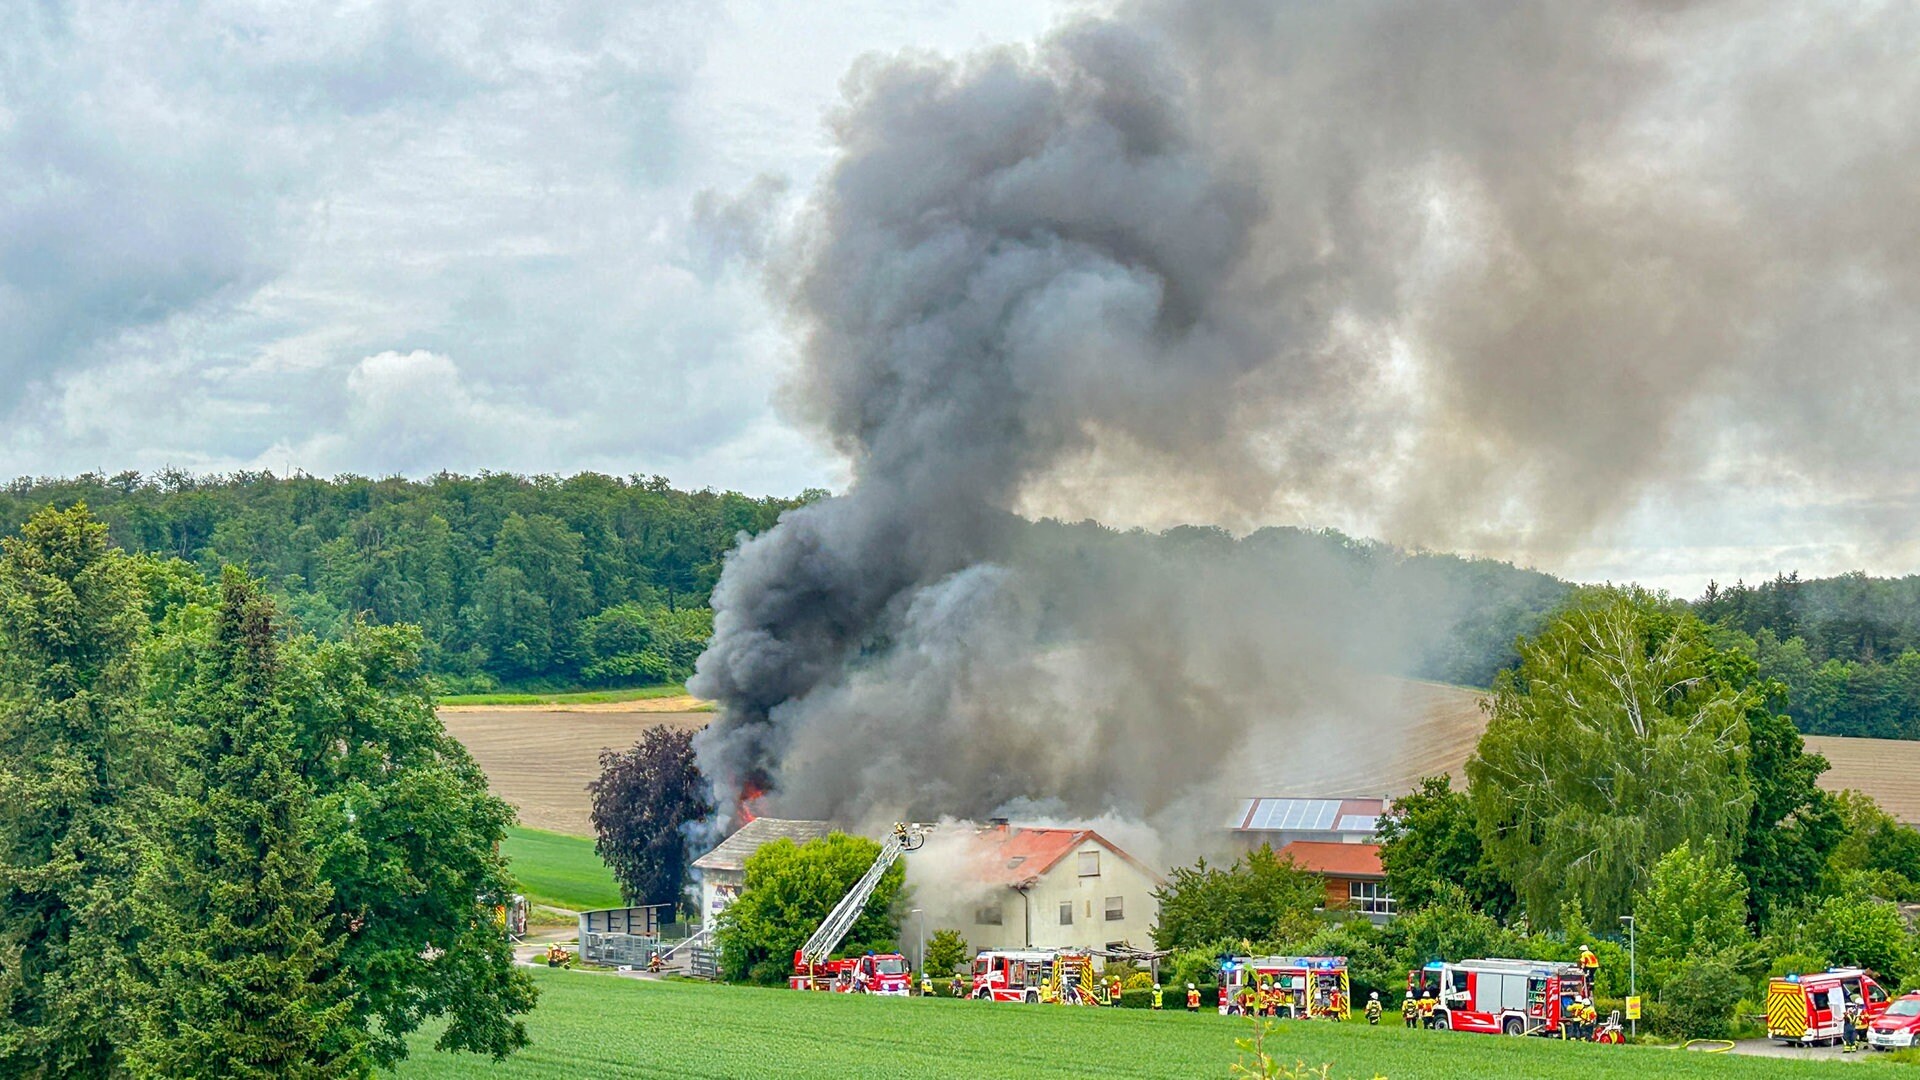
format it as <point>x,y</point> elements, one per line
<point>1359,823</point>
<point>1293,815</point>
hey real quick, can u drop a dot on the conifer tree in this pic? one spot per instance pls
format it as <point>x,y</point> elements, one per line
<point>237,974</point>
<point>75,760</point>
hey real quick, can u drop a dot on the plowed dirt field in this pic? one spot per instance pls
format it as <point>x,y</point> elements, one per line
<point>540,758</point>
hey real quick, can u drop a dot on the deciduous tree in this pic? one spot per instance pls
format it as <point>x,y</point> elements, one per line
<point>641,802</point>
<point>1429,845</point>
<point>408,837</point>
<point>1262,897</point>
<point>789,889</point>
<point>946,952</point>
<point>1612,743</point>
<point>1695,905</point>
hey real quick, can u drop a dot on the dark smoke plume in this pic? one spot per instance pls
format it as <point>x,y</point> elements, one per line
<point>1478,272</point>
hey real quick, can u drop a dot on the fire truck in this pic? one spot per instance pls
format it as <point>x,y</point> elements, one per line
<point>884,973</point>
<point>1312,987</point>
<point>1054,976</point>
<point>1513,997</point>
<point>874,973</point>
<point>1807,1009</point>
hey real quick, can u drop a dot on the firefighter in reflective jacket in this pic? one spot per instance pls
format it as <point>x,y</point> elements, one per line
<point>1426,1009</point>
<point>1410,1010</point>
<point>1590,964</point>
<point>926,985</point>
<point>1373,1010</point>
<point>1156,997</point>
<point>1193,998</point>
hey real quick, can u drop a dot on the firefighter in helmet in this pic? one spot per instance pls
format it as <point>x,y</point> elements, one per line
<point>926,985</point>
<point>1589,966</point>
<point>1410,1010</point>
<point>1373,1009</point>
<point>1193,998</point>
<point>1156,997</point>
<point>1426,1008</point>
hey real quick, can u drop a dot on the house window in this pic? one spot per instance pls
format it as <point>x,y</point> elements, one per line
<point>1066,913</point>
<point>1089,864</point>
<point>987,916</point>
<point>1369,896</point>
<point>1116,908</point>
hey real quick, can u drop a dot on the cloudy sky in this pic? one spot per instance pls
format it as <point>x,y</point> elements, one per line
<point>405,237</point>
<point>396,237</point>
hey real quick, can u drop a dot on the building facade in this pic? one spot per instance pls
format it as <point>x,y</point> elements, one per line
<point>1059,888</point>
<point>723,871</point>
<point>1354,877</point>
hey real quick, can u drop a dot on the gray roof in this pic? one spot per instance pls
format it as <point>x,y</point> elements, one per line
<point>733,851</point>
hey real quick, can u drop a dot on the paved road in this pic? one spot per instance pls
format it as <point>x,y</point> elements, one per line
<point>1769,1048</point>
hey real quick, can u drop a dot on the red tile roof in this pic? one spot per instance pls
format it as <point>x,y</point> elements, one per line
<point>1011,855</point>
<point>1336,860</point>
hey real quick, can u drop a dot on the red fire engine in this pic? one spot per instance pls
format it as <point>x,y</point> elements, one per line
<point>874,973</point>
<point>1014,975</point>
<point>1514,997</point>
<point>884,973</point>
<point>1812,1008</point>
<point>1311,987</point>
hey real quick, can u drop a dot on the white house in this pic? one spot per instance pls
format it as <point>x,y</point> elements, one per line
<point>1057,888</point>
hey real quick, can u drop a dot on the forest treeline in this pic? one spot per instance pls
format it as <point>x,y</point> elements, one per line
<point>590,579</point>
<point>599,580</point>
<point>516,580</point>
<point>1847,648</point>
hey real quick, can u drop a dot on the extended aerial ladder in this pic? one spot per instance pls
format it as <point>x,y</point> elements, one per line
<point>839,922</point>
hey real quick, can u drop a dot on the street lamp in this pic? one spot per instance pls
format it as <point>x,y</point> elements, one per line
<point>1633,984</point>
<point>920,958</point>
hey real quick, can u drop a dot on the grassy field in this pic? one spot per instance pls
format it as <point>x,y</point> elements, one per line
<point>560,871</point>
<point>605,1026</point>
<point>576,697</point>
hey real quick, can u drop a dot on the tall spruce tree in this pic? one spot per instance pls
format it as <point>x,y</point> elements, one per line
<point>74,761</point>
<point>237,976</point>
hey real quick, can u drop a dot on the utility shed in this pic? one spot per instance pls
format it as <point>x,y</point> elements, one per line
<point>723,871</point>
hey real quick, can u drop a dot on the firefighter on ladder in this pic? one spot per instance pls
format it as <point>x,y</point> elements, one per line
<point>1589,966</point>
<point>1373,1009</point>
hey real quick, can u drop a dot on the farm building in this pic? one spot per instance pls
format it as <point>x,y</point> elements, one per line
<point>1052,888</point>
<point>724,869</point>
<point>1282,821</point>
<point>1354,877</point>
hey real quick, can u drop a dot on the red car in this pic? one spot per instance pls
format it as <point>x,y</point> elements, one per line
<point>1898,1027</point>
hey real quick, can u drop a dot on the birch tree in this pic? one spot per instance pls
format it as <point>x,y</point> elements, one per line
<point>1613,742</point>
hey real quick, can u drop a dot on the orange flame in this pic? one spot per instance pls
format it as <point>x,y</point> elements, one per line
<point>750,795</point>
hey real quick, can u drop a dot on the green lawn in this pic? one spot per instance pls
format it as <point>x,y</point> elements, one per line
<point>571,697</point>
<point>562,871</point>
<point>605,1026</point>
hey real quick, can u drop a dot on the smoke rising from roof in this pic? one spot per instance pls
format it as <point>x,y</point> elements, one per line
<point>1479,274</point>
